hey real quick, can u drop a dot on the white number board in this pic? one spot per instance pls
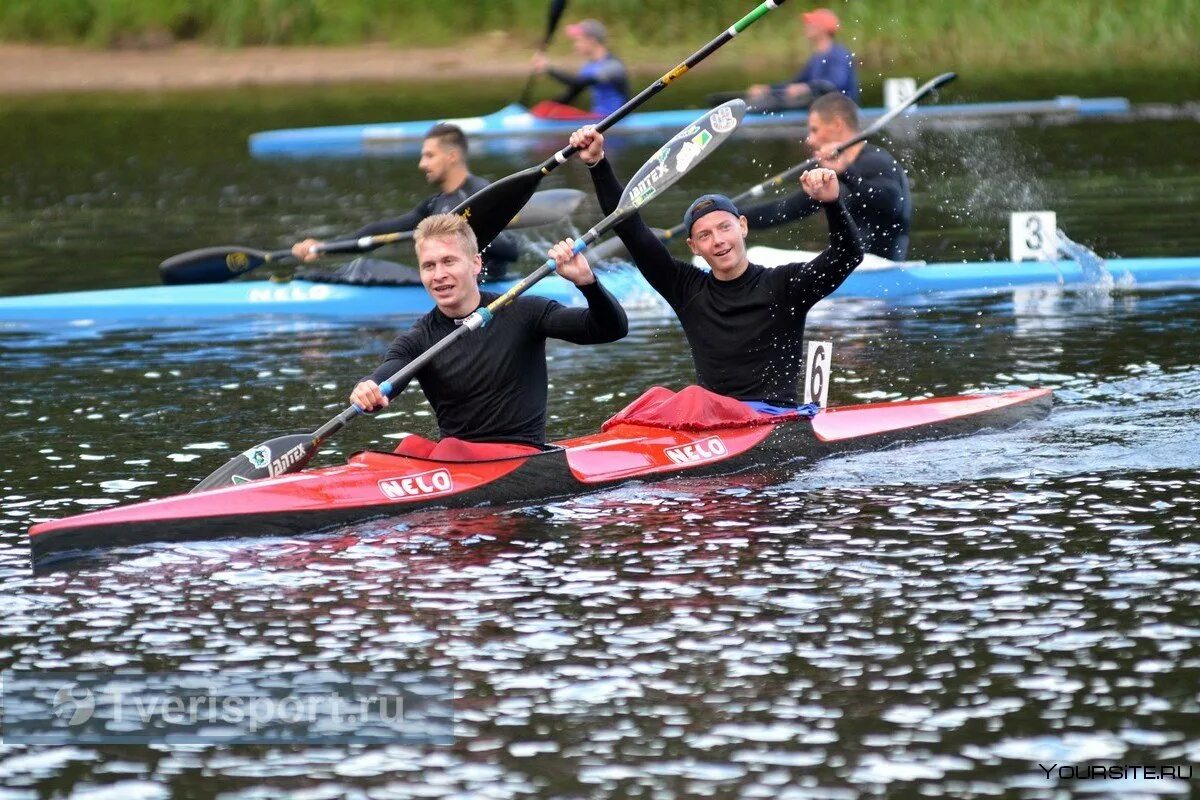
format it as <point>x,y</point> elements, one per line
<point>816,376</point>
<point>1033,236</point>
<point>897,91</point>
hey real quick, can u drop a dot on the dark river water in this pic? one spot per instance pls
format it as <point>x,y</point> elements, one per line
<point>930,621</point>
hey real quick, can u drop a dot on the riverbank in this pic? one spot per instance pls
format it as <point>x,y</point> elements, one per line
<point>80,46</point>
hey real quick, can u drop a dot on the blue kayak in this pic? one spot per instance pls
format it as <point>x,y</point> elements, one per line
<point>514,128</point>
<point>894,282</point>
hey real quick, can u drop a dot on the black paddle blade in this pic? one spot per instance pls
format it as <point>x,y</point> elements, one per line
<point>685,150</point>
<point>271,459</point>
<point>491,208</point>
<point>210,264</point>
<point>549,206</point>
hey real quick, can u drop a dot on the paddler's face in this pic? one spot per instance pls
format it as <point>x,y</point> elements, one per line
<point>824,131</point>
<point>587,47</point>
<point>720,239</point>
<point>450,274</point>
<point>436,160</point>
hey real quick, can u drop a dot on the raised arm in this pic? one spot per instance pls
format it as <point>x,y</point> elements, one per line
<point>816,279</point>
<point>602,321</point>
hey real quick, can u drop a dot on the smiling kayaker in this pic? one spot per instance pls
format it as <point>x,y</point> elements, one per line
<point>489,393</point>
<point>603,73</point>
<point>444,162</point>
<point>875,186</point>
<point>744,323</point>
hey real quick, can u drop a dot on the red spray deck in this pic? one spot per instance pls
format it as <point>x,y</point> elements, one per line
<point>376,485</point>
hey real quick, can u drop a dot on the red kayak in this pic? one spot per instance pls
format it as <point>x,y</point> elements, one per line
<point>649,439</point>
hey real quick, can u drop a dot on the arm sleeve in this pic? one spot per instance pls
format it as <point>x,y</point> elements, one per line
<point>795,206</point>
<point>649,254</point>
<point>403,350</point>
<point>574,83</point>
<point>816,279</point>
<point>602,321</point>
<point>404,223</point>
<point>875,190</point>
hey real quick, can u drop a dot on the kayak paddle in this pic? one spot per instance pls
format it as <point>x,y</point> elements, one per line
<point>613,247</point>
<point>487,210</point>
<point>219,264</point>
<point>557,7</point>
<point>287,454</point>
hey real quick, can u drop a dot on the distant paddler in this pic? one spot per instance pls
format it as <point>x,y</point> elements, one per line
<point>829,69</point>
<point>874,186</point>
<point>744,323</point>
<point>444,162</point>
<point>603,73</point>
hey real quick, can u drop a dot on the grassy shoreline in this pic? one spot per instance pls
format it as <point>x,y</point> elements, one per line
<point>889,36</point>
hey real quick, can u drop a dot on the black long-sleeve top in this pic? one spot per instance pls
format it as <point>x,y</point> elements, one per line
<point>504,249</point>
<point>745,334</point>
<point>876,193</point>
<point>490,385</point>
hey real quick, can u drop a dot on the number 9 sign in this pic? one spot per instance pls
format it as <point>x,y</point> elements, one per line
<point>816,376</point>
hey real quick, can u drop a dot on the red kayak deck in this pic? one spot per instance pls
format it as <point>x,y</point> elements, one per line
<point>375,485</point>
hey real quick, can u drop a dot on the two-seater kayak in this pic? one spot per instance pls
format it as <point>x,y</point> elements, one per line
<point>882,281</point>
<point>632,446</point>
<point>514,128</point>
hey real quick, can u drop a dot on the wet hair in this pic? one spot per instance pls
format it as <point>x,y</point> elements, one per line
<point>836,105</point>
<point>447,226</point>
<point>448,135</point>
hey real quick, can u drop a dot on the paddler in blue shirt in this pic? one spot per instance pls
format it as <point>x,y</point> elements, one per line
<point>444,162</point>
<point>603,73</point>
<point>830,69</point>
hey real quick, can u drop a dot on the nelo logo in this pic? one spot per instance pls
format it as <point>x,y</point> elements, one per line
<point>422,485</point>
<point>703,450</point>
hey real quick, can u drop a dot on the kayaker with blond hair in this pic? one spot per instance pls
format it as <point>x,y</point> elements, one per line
<point>490,390</point>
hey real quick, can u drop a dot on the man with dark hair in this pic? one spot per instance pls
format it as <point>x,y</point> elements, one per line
<point>444,162</point>
<point>876,189</point>
<point>830,69</point>
<point>603,73</point>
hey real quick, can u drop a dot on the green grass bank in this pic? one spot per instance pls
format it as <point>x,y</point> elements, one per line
<point>887,35</point>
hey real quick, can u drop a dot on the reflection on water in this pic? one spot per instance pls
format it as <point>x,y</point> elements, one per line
<point>931,620</point>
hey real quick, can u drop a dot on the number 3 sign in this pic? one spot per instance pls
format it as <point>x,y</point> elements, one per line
<point>1033,236</point>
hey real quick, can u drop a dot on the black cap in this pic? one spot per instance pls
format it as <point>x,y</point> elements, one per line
<point>706,204</point>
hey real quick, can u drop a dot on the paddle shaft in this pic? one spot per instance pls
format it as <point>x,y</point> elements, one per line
<point>555,14</point>
<point>695,58</point>
<point>475,321</point>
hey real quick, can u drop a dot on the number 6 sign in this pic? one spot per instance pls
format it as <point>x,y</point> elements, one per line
<point>816,377</point>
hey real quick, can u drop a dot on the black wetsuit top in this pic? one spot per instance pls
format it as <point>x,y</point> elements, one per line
<point>745,334</point>
<point>877,194</point>
<point>497,256</point>
<point>490,385</point>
